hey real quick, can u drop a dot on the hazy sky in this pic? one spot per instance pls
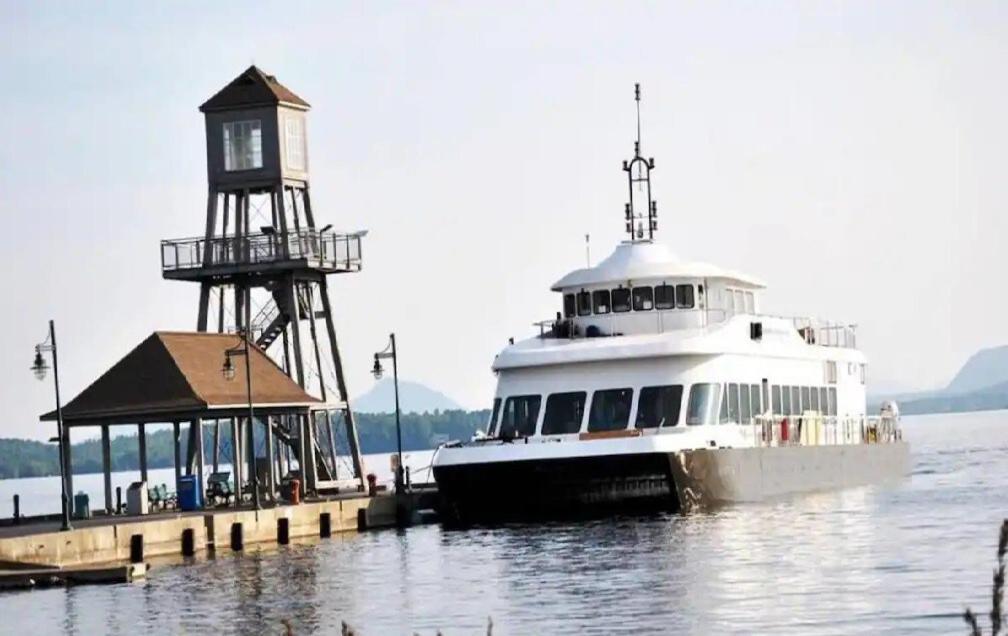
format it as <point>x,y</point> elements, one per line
<point>853,155</point>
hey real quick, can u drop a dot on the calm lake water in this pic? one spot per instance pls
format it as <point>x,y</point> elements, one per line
<point>898,559</point>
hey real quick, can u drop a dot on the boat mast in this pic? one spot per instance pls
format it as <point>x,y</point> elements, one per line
<point>638,172</point>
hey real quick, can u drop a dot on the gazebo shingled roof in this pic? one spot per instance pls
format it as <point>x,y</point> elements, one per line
<point>253,88</point>
<point>178,374</point>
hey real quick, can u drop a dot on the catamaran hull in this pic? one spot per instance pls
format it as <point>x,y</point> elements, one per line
<point>559,487</point>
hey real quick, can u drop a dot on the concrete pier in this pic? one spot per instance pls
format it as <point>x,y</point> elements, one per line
<point>117,539</point>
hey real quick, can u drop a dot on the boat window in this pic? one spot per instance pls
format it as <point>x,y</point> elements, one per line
<point>610,410</point>
<point>621,300</point>
<point>520,415</point>
<point>684,296</point>
<point>723,411</point>
<point>600,299</point>
<point>569,305</point>
<point>806,404</point>
<point>815,399</point>
<point>664,297</point>
<point>864,372</point>
<point>731,393</point>
<point>740,301</point>
<point>775,400</point>
<point>643,299</point>
<point>750,303</point>
<point>703,403</point>
<point>493,416</point>
<point>745,412</point>
<point>786,401</point>
<point>658,406</point>
<point>756,398</point>
<point>832,401</point>
<point>564,412</point>
<point>823,400</point>
<point>584,303</point>
<point>729,304</point>
<point>795,401</point>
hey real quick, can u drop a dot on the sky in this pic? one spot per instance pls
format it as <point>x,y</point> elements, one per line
<point>851,154</point>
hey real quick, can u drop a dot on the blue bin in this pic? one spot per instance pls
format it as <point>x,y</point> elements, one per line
<point>190,495</point>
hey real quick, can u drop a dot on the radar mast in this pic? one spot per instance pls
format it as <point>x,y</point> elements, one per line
<point>642,205</point>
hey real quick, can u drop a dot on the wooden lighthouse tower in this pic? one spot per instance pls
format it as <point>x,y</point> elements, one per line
<point>262,262</point>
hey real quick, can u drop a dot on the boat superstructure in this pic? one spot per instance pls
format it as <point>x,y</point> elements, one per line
<point>652,369</point>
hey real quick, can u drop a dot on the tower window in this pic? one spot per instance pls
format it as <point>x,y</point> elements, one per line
<point>243,145</point>
<point>295,143</point>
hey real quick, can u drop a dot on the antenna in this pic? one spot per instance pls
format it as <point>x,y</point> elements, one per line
<point>588,249</point>
<point>638,172</point>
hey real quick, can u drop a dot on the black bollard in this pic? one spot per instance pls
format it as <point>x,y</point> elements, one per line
<point>325,525</point>
<point>17,509</point>
<point>119,507</point>
<point>136,548</point>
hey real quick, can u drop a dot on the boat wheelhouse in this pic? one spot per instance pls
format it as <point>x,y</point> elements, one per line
<point>652,366</point>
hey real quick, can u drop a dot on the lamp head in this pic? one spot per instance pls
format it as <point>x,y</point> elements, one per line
<point>377,370</point>
<point>39,366</point>
<point>228,369</point>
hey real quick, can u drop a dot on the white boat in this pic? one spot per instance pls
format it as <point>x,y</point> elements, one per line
<point>663,384</point>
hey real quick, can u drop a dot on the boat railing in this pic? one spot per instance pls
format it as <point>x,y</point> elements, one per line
<point>813,429</point>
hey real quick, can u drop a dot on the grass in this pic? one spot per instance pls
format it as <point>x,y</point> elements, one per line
<point>997,593</point>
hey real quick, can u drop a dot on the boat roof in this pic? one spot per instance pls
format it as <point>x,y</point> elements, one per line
<point>648,260</point>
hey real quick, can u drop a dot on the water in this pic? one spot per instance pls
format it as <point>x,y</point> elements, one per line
<point>897,559</point>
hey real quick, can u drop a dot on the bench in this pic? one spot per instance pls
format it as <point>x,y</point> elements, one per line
<point>219,487</point>
<point>159,496</point>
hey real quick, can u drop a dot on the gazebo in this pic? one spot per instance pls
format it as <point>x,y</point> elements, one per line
<point>175,378</point>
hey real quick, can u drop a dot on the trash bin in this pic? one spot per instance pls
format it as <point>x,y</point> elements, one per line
<point>190,496</point>
<point>136,498</point>
<point>82,506</point>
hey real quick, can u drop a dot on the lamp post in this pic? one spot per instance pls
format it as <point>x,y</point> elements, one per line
<point>229,374</point>
<point>390,352</point>
<point>39,367</point>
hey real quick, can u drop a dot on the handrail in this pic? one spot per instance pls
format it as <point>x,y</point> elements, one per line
<point>326,249</point>
<point>813,429</point>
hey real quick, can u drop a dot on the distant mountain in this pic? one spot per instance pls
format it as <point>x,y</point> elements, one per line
<point>984,369</point>
<point>413,398</point>
<point>980,385</point>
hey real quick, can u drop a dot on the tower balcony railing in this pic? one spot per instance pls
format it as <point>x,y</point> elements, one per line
<point>326,250</point>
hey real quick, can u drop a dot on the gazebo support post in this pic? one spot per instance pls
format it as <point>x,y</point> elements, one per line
<point>68,469</point>
<point>270,455</point>
<point>176,437</point>
<point>216,445</point>
<point>142,451</point>
<point>190,455</point>
<point>106,456</point>
<point>250,453</point>
<point>198,425</point>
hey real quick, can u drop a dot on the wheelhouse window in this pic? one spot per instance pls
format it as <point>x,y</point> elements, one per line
<point>493,416</point>
<point>703,403</point>
<point>584,303</point>
<point>600,301</point>
<point>658,406</point>
<point>621,300</point>
<point>684,297</point>
<point>569,305</point>
<point>564,412</point>
<point>643,299</point>
<point>243,145</point>
<point>610,410</point>
<point>520,415</point>
<point>664,297</point>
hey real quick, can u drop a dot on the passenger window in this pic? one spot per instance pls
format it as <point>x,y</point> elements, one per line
<point>729,303</point>
<point>757,399</point>
<point>584,303</point>
<point>815,399</point>
<point>564,412</point>
<point>733,403</point>
<point>775,400</point>
<point>703,403</point>
<point>750,304</point>
<point>795,401</point>
<point>806,403</point>
<point>664,297</point>
<point>823,400</point>
<point>832,401</point>
<point>684,296</point>
<point>643,299</point>
<point>745,413</point>
<point>621,300</point>
<point>658,406</point>
<point>610,410</point>
<point>570,306</point>
<point>520,415</point>
<point>493,417</point>
<point>723,411</point>
<point>786,402</point>
<point>600,299</point>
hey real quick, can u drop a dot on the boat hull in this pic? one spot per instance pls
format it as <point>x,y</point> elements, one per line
<point>586,486</point>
